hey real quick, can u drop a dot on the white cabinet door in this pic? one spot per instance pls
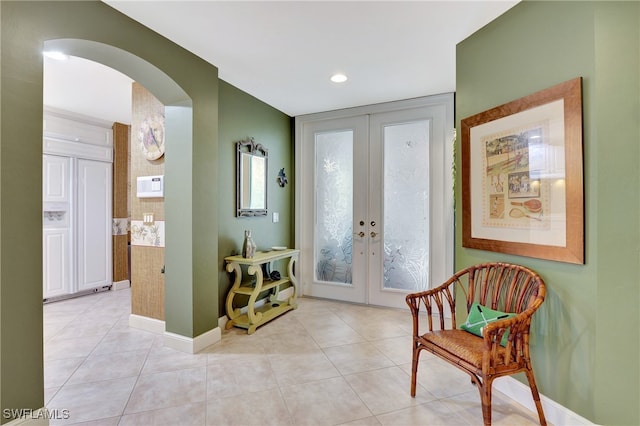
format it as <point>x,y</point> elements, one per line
<point>57,262</point>
<point>55,179</point>
<point>94,224</point>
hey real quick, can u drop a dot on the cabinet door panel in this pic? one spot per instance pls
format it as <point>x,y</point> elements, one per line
<point>57,262</point>
<point>55,182</point>
<point>94,224</point>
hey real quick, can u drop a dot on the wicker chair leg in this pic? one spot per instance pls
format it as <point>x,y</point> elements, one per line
<point>536,396</point>
<point>485,396</point>
<point>414,370</point>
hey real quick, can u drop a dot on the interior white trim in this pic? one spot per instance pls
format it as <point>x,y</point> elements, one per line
<point>554,413</point>
<point>192,345</point>
<point>145,323</point>
<point>121,285</point>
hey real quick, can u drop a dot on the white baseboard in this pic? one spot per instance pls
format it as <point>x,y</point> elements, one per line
<point>554,413</point>
<point>121,285</point>
<point>192,345</point>
<point>145,323</point>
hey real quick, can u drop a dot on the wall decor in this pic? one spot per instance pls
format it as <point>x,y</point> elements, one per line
<point>282,178</point>
<point>522,178</point>
<point>251,178</point>
<point>151,136</point>
<point>147,234</point>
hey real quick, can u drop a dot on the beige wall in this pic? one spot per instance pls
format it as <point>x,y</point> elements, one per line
<point>147,278</point>
<point>120,207</point>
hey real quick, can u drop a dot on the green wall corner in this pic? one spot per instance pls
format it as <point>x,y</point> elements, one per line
<point>584,356</point>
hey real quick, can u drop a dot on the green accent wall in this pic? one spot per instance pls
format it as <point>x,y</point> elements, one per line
<point>192,297</point>
<point>242,116</point>
<point>585,346</point>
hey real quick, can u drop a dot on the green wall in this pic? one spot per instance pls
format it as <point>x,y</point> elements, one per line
<point>585,347</point>
<point>192,307</point>
<point>242,116</point>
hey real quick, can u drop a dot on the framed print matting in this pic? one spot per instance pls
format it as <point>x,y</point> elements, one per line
<point>522,181</point>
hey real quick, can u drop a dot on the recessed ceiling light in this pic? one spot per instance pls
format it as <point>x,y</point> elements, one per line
<point>338,78</point>
<point>54,54</point>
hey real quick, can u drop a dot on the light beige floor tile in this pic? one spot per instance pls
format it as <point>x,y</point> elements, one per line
<point>367,421</point>
<point>430,413</point>
<point>233,344</point>
<point>503,412</point>
<point>255,408</point>
<point>77,347</point>
<point>58,371</point>
<point>125,341</point>
<point>386,390</point>
<point>342,383</point>
<point>327,335</point>
<point>168,359</point>
<point>295,343</point>
<point>440,378</point>
<point>244,374</point>
<point>168,389</point>
<point>397,349</point>
<point>51,328</point>
<point>93,401</point>
<point>49,393</point>
<point>301,368</point>
<point>357,357</point>
<point>184,415</point>
<point>324,402</point>
<point>81,328</point>
<point>111,421</point>
<point>109,366</point>
<point>286,323</point>
<point>377,329</point>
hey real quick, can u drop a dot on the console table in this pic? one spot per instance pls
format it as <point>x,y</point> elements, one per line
<point>273,307</point>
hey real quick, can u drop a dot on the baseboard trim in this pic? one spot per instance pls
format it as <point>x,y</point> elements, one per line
<point>145,323</point>
<point>554,413</point>
<point>192,345</point>
<point>121,285</point>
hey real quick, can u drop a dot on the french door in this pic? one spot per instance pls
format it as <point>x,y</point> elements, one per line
<point>375,201</point>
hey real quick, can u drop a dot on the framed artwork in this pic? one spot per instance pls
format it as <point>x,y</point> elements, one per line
<point>522,181</point>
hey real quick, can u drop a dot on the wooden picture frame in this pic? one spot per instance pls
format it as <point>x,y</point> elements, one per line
<point>522,177</point>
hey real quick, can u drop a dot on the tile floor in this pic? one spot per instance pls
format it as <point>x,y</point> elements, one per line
<point>326,363</point>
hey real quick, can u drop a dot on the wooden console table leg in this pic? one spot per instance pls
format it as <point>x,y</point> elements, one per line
<point>294,282</point>
<point>233,313</point>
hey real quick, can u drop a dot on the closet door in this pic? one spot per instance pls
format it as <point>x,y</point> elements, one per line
<point>94,224</point>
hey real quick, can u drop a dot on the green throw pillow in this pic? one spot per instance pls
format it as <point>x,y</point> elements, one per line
<point>479,316</point>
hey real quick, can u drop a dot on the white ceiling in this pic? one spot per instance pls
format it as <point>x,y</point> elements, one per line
<point>283,53</point>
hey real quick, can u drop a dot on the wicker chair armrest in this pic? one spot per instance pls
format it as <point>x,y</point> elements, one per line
<point>517,342</point>
<point>434,301</point>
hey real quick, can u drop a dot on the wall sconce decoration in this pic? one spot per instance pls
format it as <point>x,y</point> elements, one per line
<point>282,178</point>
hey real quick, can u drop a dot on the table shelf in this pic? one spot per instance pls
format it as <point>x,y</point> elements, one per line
<point>272,308</point>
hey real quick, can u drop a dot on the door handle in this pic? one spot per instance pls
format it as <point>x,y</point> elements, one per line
<point>373,234</point>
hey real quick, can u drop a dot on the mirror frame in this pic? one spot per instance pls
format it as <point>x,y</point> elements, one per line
<point>250,147</point>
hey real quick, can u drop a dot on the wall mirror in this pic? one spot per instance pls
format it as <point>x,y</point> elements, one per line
<point>251,179</point>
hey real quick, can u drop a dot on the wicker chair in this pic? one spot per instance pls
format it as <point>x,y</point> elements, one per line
<point>498,286</point>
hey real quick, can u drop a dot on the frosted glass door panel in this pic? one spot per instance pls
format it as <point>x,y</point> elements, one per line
<point>406,206</point>
<point>334,206</point>
<point>333,263</point>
